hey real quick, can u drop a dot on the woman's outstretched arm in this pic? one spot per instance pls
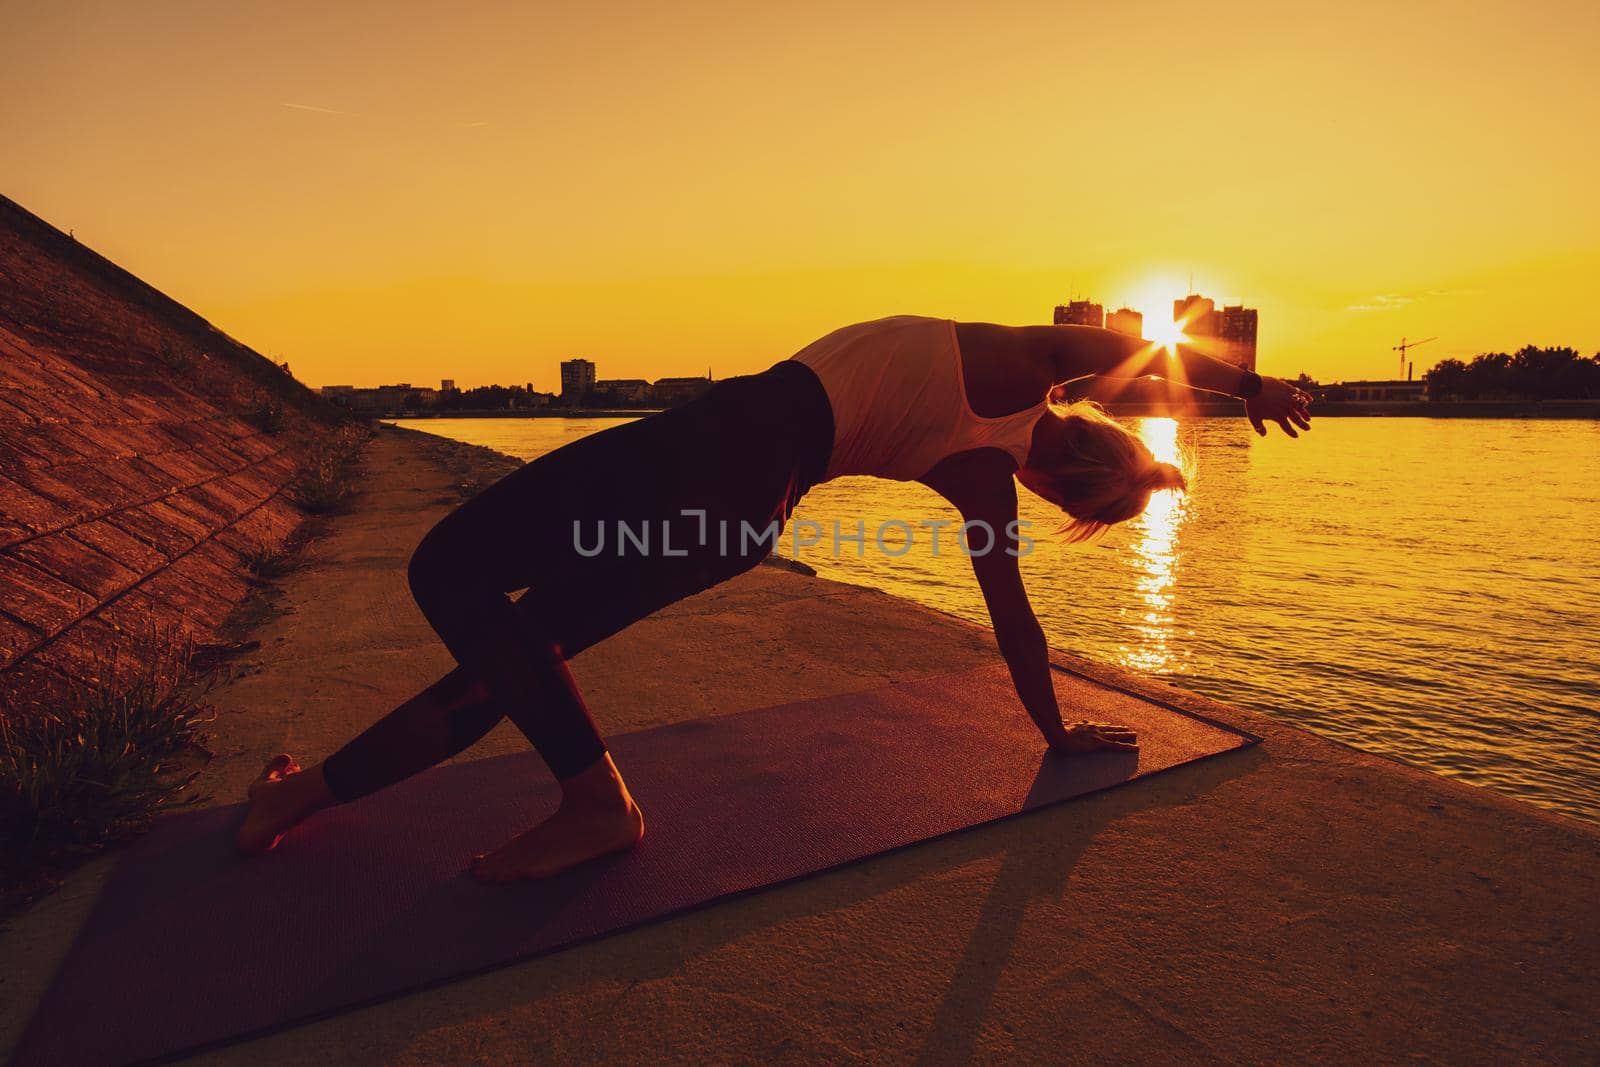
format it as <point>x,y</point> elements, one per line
<point>1072,352</point>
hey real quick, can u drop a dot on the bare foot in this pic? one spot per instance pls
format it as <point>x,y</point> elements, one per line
<point>562,841</point>
<point>597,817</point>
<point>279,798</point>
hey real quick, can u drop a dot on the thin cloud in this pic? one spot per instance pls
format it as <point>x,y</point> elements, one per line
<point>1382,302</point>
<point>318,110</point>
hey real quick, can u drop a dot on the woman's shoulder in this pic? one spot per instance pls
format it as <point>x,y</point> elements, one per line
<point>889,323</point>
<point>1002,372</point>
<point>845,337</point>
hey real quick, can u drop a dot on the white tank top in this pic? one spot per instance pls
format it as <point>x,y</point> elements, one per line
<point>900,401</point>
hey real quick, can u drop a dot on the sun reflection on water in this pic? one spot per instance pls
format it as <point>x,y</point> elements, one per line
<point>1154,557</point>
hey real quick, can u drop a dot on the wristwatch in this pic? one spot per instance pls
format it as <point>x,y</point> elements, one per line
<point>1249,385</point>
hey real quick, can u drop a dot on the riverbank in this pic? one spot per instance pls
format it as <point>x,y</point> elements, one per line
<point>524,413</point>
<point>1300,896</point>
<point>1423,409</point>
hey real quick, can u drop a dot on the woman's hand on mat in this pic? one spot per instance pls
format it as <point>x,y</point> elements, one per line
<point>1075,738</point>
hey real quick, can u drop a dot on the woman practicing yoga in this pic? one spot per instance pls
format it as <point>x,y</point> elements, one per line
<point>959,407</point>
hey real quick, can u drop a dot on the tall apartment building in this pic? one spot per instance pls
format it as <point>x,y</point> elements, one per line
<point>1080,313</point>
<point>577,378</point>
<point>1236,329</point>
<point>1126,321</point>
<point>1197,313</point>
<point>1230,334</point>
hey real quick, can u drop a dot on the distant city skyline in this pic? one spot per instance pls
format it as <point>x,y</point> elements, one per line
<point>1228,333</point>
<point>579,386</point>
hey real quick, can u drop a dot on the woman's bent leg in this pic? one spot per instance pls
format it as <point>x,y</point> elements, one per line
<point>444,719</point>
<point>432,726</point>
<point>460,576</point>
<point>521,533</point>
<point>512,652</point>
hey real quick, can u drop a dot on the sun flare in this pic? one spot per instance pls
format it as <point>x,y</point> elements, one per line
<point>1152,296</point>
<point>1169,335</point>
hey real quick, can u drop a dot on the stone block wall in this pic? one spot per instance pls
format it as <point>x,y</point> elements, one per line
<point>144,458</point>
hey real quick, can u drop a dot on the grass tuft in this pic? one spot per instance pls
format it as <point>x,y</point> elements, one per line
<point>273,560</point>
<point>328,478</point>
<point>267,414</point>
<point>91,769</point>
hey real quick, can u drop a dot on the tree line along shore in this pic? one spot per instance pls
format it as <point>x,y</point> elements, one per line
<point>1457,409</point>
<point>1532,383</point>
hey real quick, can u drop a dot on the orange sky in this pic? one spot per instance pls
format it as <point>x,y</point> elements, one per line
<point>477,190</point>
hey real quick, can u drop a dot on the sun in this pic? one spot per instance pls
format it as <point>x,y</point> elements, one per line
<point>1166,334</point>
<point>1152,296</point>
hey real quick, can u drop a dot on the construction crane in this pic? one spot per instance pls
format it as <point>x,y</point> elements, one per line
<point>1405,346</point>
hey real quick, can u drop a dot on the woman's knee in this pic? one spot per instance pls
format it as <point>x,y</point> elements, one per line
<point>437,565</point>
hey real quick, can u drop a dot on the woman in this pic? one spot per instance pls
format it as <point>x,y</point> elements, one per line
<point>960,407</point>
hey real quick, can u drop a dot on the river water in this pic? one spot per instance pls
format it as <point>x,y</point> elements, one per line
<point>1423,588</point>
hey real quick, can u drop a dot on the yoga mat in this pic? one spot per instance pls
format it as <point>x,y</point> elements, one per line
<point>190,945</point>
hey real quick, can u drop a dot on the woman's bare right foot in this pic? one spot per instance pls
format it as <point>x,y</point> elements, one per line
<point>597,817</point>
<point>280,798</point>
<point>571,836</point>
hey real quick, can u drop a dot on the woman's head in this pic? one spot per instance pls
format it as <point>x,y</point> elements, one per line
<point>1094,469</point>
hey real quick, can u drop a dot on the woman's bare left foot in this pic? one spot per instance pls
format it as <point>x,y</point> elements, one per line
<point>280,797</point>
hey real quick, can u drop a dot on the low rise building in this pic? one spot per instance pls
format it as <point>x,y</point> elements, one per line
<point>620,391</point>
<point>382,399</point>
<point>670,392</point>
<point>1380,392</point>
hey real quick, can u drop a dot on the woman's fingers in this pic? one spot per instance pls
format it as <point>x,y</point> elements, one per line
<point>1083,737</point>
<point>1280,402</point>
<point>1109,728</point>
<point>1112,726</point>
<point>1106,735</point>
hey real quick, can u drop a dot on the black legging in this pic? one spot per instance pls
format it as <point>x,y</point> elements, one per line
<point>743,454</point>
